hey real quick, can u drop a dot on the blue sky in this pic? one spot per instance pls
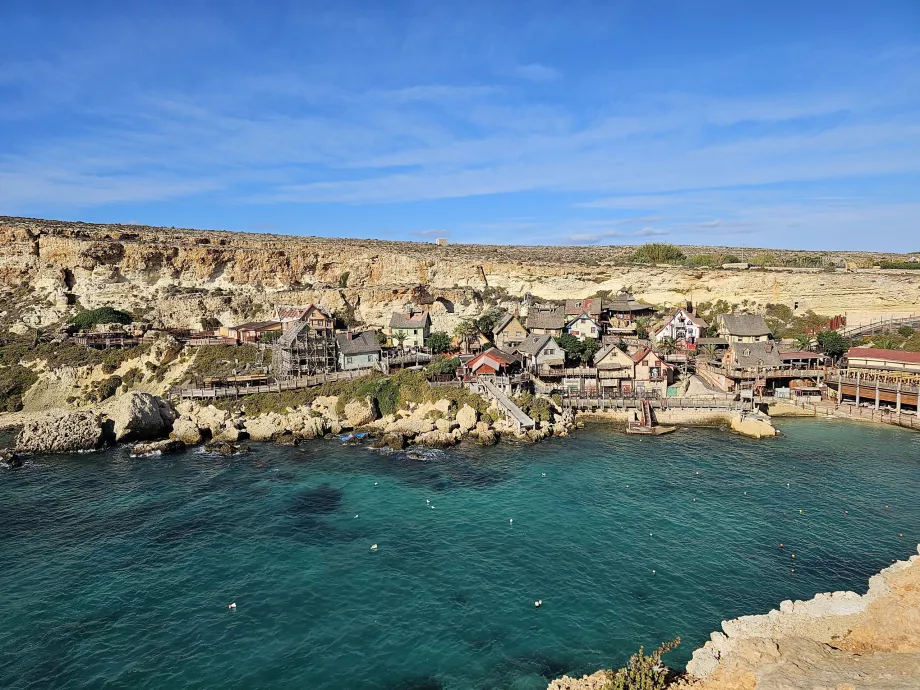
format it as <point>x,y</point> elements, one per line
<point>779,124</point>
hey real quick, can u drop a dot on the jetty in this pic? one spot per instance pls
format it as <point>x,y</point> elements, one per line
<point>643,422</point>
<point>512,412</point>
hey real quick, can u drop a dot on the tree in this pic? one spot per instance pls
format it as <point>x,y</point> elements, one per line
<point>642,328</point>
<point>886,341</point>
<point>576,350</point>
<point>644,672</point>
<point>438,342</point>
<point>486,323</point>
<point>91,318</point>
<point>708,352</point>
<point>590,346</point>
<point>400,338</point>
<point>668,346</point>
<point>832,343</point>
<point>467,331</point>
<point>803,342</point>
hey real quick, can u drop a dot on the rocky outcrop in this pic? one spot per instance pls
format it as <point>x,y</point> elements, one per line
<point>755,425</point>
<point>61,432</point>
<point>169,445</point>
<point>596,681</point>
<point>139,416</point>
<point>187,431</point>
<point>837,640</point>
<point>360,413</point>
<point>467,418</point>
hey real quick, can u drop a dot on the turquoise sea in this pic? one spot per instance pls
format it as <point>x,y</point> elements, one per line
<point>116,572</point>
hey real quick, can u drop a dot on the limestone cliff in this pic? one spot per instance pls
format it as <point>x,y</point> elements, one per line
<point>177,277</point>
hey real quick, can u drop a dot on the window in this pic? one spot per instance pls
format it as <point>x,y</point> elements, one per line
<point>348,360</point>
<point>549,351</point>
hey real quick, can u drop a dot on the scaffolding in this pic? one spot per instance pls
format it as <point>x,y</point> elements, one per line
<point>304,351</point>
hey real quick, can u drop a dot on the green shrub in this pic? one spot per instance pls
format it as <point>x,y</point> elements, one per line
<point>445,365</point>
<point>643,672</point>
<point>657,253</point>
<point>221,360</point>
<point>438,342</point>
<point>15,380</point>
<point>89,319</point>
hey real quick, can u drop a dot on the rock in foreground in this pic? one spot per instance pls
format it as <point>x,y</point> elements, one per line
<point>61,432</point>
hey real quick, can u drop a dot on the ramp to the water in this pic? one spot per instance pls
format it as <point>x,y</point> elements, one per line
<point>508,407</point>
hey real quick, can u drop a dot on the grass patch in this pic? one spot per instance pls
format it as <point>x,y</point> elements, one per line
<point>221,360</point>
<point>15,380</point>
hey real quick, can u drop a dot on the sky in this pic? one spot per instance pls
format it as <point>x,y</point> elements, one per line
<point>760,124</point>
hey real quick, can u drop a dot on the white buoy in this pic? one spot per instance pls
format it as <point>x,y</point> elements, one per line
<point>653,572</point>
<point>544,474</point>
<point>538,603</point>
<point>356,517</point>
<point>510,521</point>
<point>232,606</point>
<point>432,507</point>
<point>427,501</point>
<point>375,483</point>
<point>373,547</point>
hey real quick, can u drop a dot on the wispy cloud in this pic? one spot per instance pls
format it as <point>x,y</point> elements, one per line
<point>534,71</point>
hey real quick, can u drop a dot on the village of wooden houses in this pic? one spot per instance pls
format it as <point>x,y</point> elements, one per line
<point>593,355</point>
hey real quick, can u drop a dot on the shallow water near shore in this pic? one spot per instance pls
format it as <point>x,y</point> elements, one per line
<point>116,572</point>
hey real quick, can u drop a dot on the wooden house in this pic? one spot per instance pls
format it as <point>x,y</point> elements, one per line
<point>546,320</point>
<point>652,374</point>
<point>615,371</point>
<point>591,306</point>
<point>311,314</point>
<point>620,314</point>
<point>413,325</point>
<point>492,362</point>
<point>683,326</point>
<point>743,328</point>
<point>509,333</point>
<point>357,350</point>
<point>251,332</point>
<point>542,354</point>
<point>584,326</point>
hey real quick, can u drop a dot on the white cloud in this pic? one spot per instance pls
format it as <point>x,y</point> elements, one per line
<point>535,72</point>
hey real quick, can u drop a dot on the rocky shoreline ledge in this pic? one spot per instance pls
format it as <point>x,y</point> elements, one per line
<point>835,641</point>
<point>159,426</point>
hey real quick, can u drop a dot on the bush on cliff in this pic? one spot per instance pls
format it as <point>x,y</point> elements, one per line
<point>89,319</point>
<point>15,380</point>
<point>643,672</point>
<point>221,360</point>
<point>657,253</point>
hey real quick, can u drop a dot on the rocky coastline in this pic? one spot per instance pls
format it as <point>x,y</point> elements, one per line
<point>834,641</point>
<point>157,425</point>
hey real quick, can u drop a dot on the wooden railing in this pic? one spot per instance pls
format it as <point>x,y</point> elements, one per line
<point>235,391</point>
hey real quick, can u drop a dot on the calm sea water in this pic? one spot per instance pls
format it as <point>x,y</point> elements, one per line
<point>116,572</point>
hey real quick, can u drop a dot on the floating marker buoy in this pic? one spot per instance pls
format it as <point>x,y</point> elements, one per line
<point>432,507</point>
<point>694,500</point>
<point>373,547</point>
<point>232,606</point>
<point>653,572</point>
<point>427,501</point>
<point>900,535</point>
<point>538,604</point>
<point>780,546</point>
<point>510,521</point>
<point>793,570</point>
<point>544,474</point>
<point>886,507</point>
<point>375,483</point>
<point>745,493</point>
<point>356,516</point>
<point>793,555</point>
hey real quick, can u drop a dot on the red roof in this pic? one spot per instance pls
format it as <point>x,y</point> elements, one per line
<point>890,355</point>
<point>640,355</point>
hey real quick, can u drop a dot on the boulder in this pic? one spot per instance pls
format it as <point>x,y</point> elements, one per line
<point>411,425</point>
<point>139,416</point>
<point>266,427</point>
<point>487,437</point>
<point>396,441</point>
<point>467,418</point>
<point>435,439</point>
<point>230,434</point>
<point>287,439</point>
<point>226,448</point>
<point>60,432</point>
<point>310,427</point>
<point>444,425</point>
<point>184,429</point>
<point>360,413</point>
<point>9,459</point>
<point>211,418</point>
<point>169,445</point>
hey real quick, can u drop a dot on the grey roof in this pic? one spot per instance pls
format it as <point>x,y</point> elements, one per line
<point>624,301</point>
<point>590,305</point>
<point>603,352</point>
<point>745,324</point>
<point>711,341</point>
<point>756,354</point>
<point>418,319</point>
<point>532,344</point>
<point>550,318</point>
<point>359,344</point>
<point>503,323</point>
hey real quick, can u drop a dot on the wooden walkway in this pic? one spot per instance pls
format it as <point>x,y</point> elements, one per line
<point>212,392</point>
<point>521,420</point>
<point>600,404</point>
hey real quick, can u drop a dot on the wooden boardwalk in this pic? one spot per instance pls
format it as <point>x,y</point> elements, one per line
<point>213,392</point>
<point>521,420</point>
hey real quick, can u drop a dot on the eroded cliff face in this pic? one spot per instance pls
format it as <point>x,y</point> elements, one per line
<point>180,276</point>
<point>840,641</point>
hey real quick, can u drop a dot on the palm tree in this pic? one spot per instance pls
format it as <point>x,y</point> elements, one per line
<point>885,341</point>
<point>708,352</point>
<point>803,342</point>
<point>668,346</point>
<point>466,330</point>
<point>400,338</point>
